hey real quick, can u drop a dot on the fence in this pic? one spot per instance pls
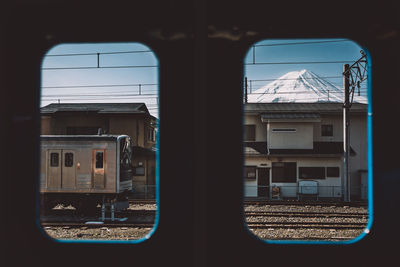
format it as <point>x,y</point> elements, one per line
<point>294,191</point>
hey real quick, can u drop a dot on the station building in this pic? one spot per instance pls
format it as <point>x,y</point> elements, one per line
<point>286,143</point>
<point>132,119</point>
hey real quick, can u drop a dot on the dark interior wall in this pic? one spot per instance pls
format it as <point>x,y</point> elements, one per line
<point>200,46</point>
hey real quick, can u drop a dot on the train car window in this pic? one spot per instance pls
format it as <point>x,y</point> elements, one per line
<point>99,112</point>
<point>54,159</point>
<point>318,90</point>
<point>69,160</point>
<point>99,160</point>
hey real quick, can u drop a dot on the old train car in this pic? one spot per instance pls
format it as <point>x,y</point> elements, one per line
<point>85,171</point>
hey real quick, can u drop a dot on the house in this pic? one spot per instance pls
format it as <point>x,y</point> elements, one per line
<point>285,143</point>
<point>132,119</point>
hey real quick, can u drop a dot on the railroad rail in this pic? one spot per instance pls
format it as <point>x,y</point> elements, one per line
<point>306,214</point>
<point>98,224</point>
<point>305,225</point>
<point>305,203</point>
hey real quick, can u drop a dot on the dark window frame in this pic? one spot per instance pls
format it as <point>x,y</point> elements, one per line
<point>136,173</point>
<point>250,170</point>
<point>335,170</point>
<point>68,159</point>
<point>327,130</point>
<point>99,166</point>
<point>249,132</point>
<point>312,173</point>
<point>54,159</point>
<point>287,173</point>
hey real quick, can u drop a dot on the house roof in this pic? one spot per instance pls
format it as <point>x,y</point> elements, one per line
<point>101,108</point>
<point>319,148</point>
<point>320,108</point>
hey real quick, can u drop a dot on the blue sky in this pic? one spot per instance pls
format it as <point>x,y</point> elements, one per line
<point>300,50</point>
<point>118,70</point>
<point>124,76</point>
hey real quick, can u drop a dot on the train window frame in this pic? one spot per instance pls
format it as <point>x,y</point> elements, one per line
<point>250,60</point>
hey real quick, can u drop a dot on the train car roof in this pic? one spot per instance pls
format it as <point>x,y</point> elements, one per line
<point>103,137</point>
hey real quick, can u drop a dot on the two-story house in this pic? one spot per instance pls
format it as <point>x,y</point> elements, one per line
<point>285,143</point>
<point>132,119</point>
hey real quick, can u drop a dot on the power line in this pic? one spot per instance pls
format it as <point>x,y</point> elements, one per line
<point>100,53</point>
<point>300,63</point>
<point>101,85</point>
<point>299,43</point>
<point>101,67</point>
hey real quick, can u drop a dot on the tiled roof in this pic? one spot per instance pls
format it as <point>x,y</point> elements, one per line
<point>319,148</point>
<point>302,108</point>
<point>103,108</point>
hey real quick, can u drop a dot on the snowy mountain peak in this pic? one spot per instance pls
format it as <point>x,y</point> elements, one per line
<point>300,86</point>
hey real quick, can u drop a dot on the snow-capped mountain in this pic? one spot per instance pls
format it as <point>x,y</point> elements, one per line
<point>300,86</point>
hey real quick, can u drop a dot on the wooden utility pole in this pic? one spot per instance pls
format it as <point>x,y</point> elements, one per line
<point>346,133</point>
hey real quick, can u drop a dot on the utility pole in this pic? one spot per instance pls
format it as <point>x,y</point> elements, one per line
<point>346,133</point>
<point>353,76</point>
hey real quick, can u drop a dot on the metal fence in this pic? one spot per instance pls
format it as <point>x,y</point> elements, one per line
<point>295,191</point>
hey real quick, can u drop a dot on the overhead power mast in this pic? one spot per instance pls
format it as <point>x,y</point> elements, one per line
<point>353,76</point>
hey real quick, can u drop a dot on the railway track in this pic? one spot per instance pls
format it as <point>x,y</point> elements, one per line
<point>306,203</point>
<point>305,225</point>
<point>306,214</point>
<point>98,224</point>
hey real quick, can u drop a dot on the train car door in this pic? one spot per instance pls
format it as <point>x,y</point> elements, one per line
<point>98,166</point>
<point>53,176</point>
<point>68,169</point>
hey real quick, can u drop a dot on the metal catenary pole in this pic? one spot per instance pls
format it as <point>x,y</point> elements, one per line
<point>346,134</point>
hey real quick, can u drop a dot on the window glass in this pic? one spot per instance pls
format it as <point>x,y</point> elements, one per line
<point>54,159</point>
<point>284,172</point>
<point>250,172</point>
<point>249,133</point>
<point>327,130</point>
<point>312,172</point>
<point>69,160</point>
<point>99,160</point>
<point>332,172</point>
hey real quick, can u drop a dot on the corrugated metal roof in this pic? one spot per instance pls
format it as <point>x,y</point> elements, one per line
<point>127,108</point>
<point>303,107</point>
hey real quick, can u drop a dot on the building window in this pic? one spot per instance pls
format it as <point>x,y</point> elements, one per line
<point>312,173</point>
<point>69,160</point>
<point>250,172</point>
<point>284,130</point>
<point>139,171</point>
<point>151,135</point>
<point>53,159</point>
<point>99,159</point>
<point>333,172</point>
<point>250,132</point>
<point>284,172</point>
<point>326,130</point>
